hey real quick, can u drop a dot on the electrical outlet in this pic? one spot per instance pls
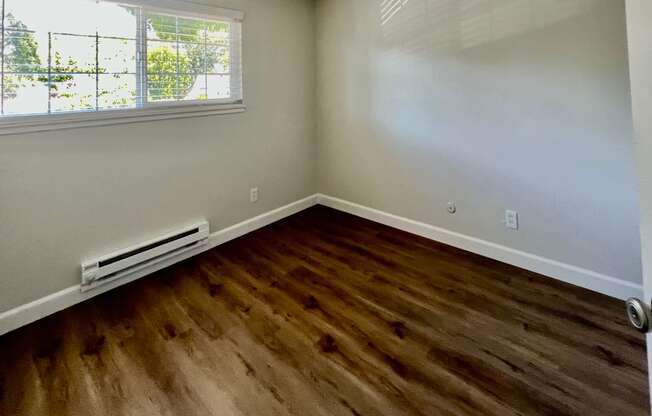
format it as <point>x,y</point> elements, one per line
<point>511,219</point>
<point>253,195</point>
<point>452,208</point>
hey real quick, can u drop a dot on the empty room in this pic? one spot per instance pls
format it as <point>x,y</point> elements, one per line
<point>325,207</point>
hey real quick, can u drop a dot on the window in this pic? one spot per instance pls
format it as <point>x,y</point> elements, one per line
<point>90,56</point>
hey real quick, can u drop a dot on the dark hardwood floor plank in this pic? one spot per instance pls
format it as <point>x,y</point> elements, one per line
<point>513,302</point>
<point>326,314</point>
<point>545,379</point>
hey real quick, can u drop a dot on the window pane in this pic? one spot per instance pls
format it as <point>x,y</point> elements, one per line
<point>161,27</point>
<point>72,16</point>
<point>73,54</point>
<point>161,57</point>
<point>218,60</point>
<point>191,30</point>
<point>117,56</point>
<point>63,33</point>
<point>163,84</point>
<point>172,87</point>
<point>24,52</point>
<point>117,21</point>
<point>162,88</point>
<point>196,51</point>
<point>25,94</point>
<point>72,92</point>
<point>193,58</point>
<point>218,33</point>
<point>81,55</point>
<point>197,91</point>
<point>219,86</point>
<point>117,91</point>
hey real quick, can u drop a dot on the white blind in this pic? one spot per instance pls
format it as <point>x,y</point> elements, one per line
<point>84,55</point>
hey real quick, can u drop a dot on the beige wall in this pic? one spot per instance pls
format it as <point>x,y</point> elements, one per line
<point>69,195</point>
<point>494,104</point>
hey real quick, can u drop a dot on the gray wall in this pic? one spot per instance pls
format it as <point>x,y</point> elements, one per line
<point>69,195</point>
<point>495,104</point>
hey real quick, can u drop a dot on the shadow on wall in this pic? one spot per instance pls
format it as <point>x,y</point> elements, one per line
<point>460,24</point>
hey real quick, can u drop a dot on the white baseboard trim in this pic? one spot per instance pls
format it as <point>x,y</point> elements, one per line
<point>40,308</point>
<point>577,276</point>
<point>611,286</point>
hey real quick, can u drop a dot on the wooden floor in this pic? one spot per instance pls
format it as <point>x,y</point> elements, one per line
<point>327,314</point>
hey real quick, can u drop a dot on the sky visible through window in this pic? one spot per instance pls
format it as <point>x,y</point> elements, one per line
<point>76,55</point>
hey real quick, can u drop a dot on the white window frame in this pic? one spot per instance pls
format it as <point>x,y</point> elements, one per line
<point>148,111</point>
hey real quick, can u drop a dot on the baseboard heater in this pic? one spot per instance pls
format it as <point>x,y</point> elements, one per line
<point>123,263</point>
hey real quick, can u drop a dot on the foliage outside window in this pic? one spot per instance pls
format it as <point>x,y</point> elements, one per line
<point>81,55</point>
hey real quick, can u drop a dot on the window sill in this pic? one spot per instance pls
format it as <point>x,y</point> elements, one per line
<point>64,121</point>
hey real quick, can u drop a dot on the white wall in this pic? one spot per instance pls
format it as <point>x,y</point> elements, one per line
<point>639,29</point>
<point>70,195</point>
<point>495,104</point>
